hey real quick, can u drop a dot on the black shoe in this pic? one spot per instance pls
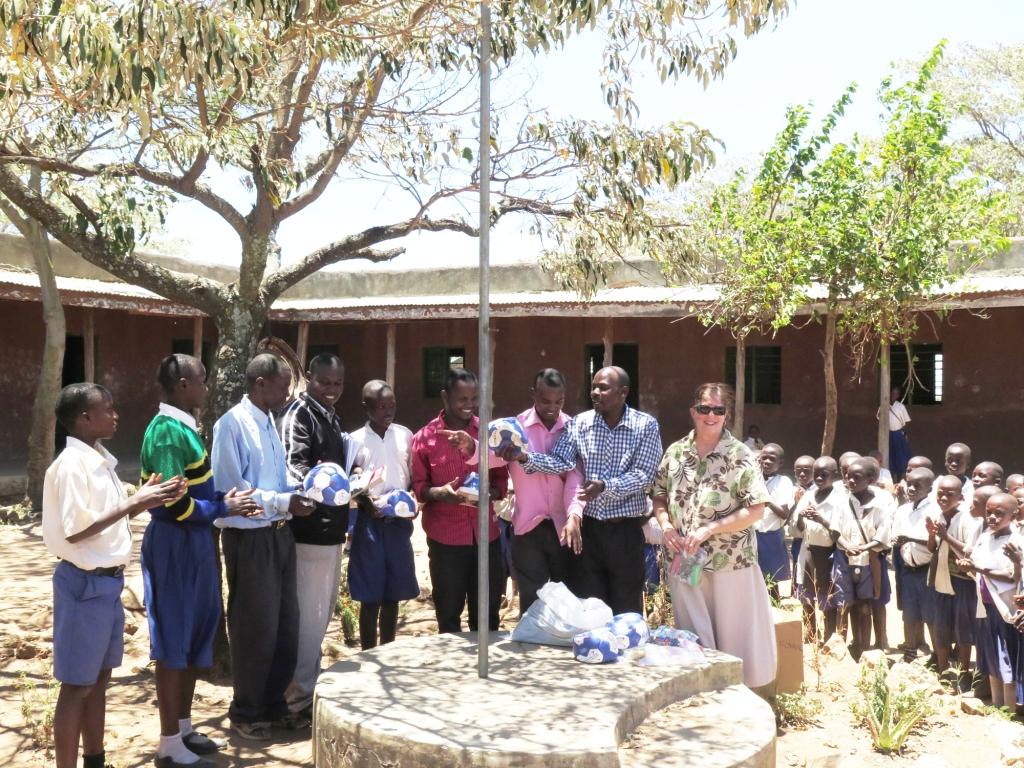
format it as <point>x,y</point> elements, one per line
<point>170,762</point>
<point>201,744</point>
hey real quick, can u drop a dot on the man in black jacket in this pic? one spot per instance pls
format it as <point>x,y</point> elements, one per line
<point>311,433</point>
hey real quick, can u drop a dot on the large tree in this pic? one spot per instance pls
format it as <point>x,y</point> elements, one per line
<point>986,85</point>
<point>283,97</point>
<point>862,232</point>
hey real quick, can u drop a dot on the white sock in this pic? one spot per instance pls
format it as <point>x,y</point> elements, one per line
<point>185,727</point>
<point>174,748</point>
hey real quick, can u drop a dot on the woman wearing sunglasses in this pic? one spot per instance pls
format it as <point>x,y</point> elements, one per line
<point>707,494</point>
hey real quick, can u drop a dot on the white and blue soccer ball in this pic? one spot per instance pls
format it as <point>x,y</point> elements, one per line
<point>328,484</point>
<point>505,432</point>
<point>399,503</point>
<point>597,646</point>
<point>630,630</point>
<point>470,487</point>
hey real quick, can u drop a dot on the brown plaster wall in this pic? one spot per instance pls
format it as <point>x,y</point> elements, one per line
<point>984,376</point>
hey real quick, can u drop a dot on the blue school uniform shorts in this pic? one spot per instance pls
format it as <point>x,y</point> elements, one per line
<point>88,624</point>
<point>179,572</point>
<point>916,597</point>
<point>381,567</point>
<point>772,556</point>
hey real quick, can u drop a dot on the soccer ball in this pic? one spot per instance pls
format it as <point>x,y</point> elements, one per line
<point>598,646</point>
<point>399,504</point>
<point>630,630</point>
<point>470,487</point>
<point>505,432</point>
<point>327,484</point>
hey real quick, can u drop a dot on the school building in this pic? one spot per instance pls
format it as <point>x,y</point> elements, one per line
<point>408,326</point>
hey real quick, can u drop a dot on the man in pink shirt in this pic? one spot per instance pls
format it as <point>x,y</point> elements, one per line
<point>539,554</point>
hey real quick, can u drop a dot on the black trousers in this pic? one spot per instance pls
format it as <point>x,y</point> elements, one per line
<point>263,620</point>
<point>612,564</point>
<point>453,581</point>
<point>538,558</point>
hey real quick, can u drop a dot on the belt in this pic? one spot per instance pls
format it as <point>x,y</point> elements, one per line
<point>278,524</point>
<point>616,520</point>
<point>916,568</point>
<point>114,570</point>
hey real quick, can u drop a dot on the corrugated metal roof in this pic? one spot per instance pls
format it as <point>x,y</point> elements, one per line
<point>1000,286</point>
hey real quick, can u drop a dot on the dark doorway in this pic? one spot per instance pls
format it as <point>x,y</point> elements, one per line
<point>626,356</point>
<point>72,372</point>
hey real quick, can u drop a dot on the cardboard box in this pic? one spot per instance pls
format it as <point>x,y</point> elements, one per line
<point>789,642</point>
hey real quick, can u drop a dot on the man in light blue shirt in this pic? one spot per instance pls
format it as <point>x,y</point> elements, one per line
<point>259,552</point>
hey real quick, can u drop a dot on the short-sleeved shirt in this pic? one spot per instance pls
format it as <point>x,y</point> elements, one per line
<point>700,491</point>
<point>910,521</point>
<point>80,486</point>
<point>780,488</point>
<point>393,453</point>
<point>899,417</point>
<point>815,534</point>
<point>860,523</point>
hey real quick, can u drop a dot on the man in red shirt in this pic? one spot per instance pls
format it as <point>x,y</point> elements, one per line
<point>449,520</point>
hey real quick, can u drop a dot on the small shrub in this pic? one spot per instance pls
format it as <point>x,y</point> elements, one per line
<point>798,710</point>
<point>38,704</point>
<point>890,714</point>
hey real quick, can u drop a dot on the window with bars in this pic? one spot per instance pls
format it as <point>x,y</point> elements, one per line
<point>763,375</point>
<point>924,387</point>
<point>437,361</point>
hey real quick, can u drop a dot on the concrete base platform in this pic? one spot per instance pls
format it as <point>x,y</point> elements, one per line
<point>418,702</point>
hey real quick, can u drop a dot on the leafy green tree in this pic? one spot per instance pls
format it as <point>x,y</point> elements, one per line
<point>285,97</point>
<point>863,232</point>
<point>986,85</point>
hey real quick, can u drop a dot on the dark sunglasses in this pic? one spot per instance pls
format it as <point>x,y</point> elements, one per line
<point>704,410</point>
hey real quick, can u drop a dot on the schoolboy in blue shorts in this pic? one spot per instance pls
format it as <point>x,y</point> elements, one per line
<point>85,525</point>
<point>179,559</point>
<point>381,566</point>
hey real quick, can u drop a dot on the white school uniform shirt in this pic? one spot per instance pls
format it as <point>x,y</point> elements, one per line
<point>793,531</point>
<point>833,505</point>
<point>80,486</point>
<point>988,553</point>
<point>909,520</point>
<point>781,489</point>
<point>875,518</point>
<point>393,452</point>
<point>898,416</point>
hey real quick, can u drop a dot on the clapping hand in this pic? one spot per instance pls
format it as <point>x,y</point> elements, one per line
<point>1013,552</point>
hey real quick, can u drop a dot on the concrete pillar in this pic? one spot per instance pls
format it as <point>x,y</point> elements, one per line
<point>303,344</point>
<point>197,337</point>
<point>389,375</point>
<point>90,345</point>
<point>609,341</point>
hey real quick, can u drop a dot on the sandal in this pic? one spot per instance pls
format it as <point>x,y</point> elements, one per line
<point>252,731</point>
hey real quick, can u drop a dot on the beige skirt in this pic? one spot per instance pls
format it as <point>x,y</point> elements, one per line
<point>730,612</point>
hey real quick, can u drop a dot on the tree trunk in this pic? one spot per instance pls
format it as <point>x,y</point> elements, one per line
<point>884,377</point>
<point>828,437</point>
<point>42,429</point>
<point>741,386</point>
<point>238,331</point>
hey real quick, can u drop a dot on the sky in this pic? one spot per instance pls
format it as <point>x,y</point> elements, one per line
<point>813,54</point>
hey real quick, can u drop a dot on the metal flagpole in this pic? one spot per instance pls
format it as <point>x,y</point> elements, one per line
<point>484,340</point>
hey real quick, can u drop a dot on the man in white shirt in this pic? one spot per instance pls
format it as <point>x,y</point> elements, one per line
<point>899,444</point>
<point>85,525</point>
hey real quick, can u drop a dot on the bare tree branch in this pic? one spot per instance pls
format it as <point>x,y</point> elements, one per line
<point>191,290</point>
<point>177,184</point>
<point>353,247</point>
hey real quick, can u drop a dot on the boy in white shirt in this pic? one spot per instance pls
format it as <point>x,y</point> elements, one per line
<point>771,542</point>
<point>85,525</point>
<point>910,539</point>
<point>813,515</point>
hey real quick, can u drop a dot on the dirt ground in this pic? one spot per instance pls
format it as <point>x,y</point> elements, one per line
<point>949,737</point>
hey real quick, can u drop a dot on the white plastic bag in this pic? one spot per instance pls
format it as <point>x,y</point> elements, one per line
<point>558,615</point>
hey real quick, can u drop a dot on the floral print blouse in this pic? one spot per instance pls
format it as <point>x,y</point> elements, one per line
<point>700,491</point>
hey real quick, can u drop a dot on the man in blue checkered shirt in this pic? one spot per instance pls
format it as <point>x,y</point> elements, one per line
<point>618,449</point>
